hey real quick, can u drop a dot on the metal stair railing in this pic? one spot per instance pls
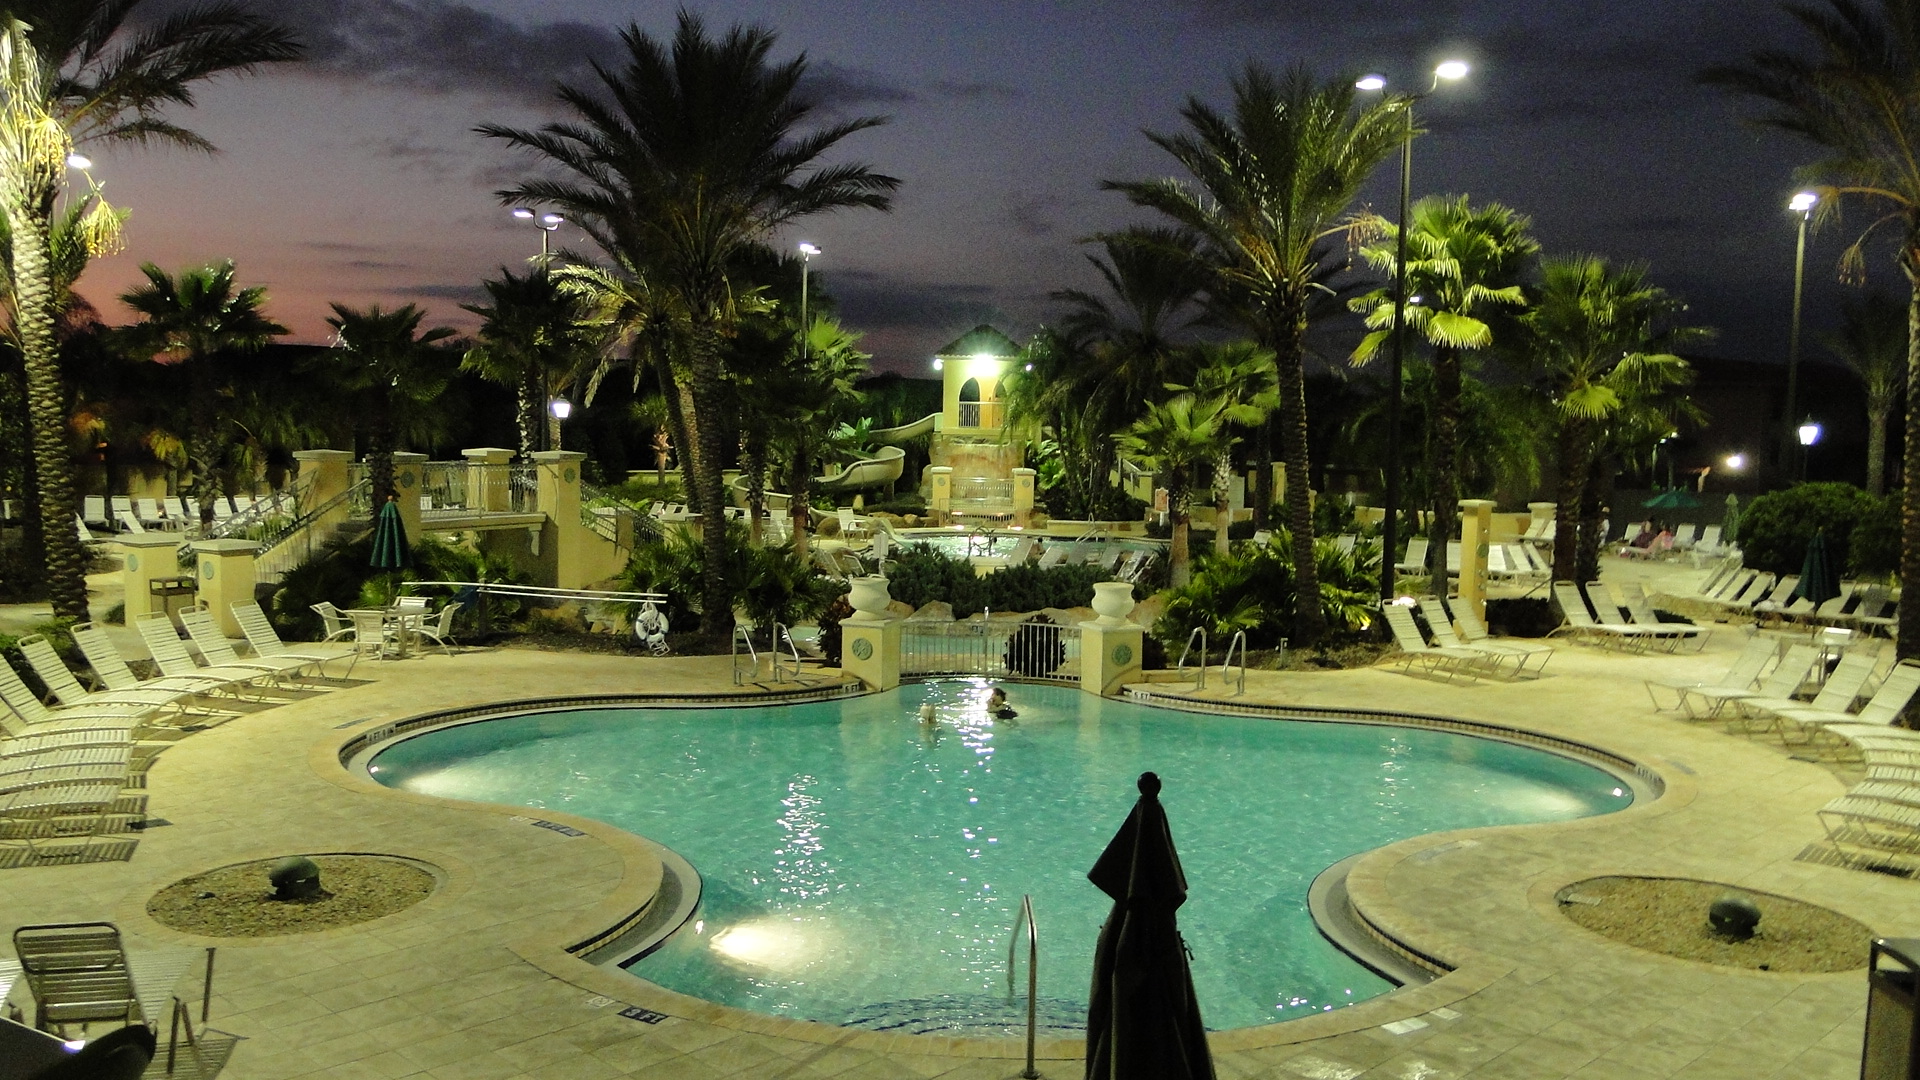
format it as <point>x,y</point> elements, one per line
<point>291,544</point>
<point>741,635</point>
<point>1201,633</point>
<point>779,635</point>
<point>1240,640</point>
<point>1033,976</point>
<point>593,497</point>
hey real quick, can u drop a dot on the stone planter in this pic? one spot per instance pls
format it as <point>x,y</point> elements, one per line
<point>869,597</point>
<point>1113,602</point>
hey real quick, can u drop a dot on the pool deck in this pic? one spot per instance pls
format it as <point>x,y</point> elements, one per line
<point>473,983</point>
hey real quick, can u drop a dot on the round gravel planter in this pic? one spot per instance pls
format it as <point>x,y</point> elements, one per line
<point>237,900</point>
<point>1670,916</point>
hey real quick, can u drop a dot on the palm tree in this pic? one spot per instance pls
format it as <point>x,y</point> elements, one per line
<point>1854,99</point>
<point>1872,340</point>
<point>385,365</point>
<point>692,151</point>
<point>72,71</point>
<point>199,321</point>
<point>1176,437</point>
<point>1463,265</point>
<point>1603,338</point>
<point>798,400</point>
<point>1271,183</point>
<point>1239,378</point>
<point>534,338</point>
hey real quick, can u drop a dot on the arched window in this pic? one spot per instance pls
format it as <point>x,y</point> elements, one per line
<point>970,403</point>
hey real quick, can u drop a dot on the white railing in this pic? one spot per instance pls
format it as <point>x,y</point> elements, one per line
<point>1031,650</point>
<point>294,540</point>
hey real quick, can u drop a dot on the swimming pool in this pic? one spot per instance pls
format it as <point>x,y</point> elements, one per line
<point>860,869</point>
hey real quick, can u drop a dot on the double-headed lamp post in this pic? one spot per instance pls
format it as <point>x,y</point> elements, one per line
<point>1449,71</point>
<point>1802,205</point>
<point>547,223</point>
<point>807,252</point>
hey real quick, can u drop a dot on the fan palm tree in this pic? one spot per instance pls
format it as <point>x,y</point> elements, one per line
<point>73,71</point>
<point>1854,99</point>
<point>384,363</point>
<point>800,399</point>
<point>1176,437</point>
<point>1464,263</point>
<point>533,337</point>
<point>201,322</point>
<point>1872,340</point>
<point>690,152</point>
<point>1241,381</point>
<point>1603,337</point>
<point>1270,183</point>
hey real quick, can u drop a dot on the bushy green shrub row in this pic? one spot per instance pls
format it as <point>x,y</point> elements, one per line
<point>770,584</point>
<point>1863,531</point>
<point>922,575</point>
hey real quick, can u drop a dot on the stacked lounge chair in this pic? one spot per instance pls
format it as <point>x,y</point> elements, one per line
<point>1741,675</point>
<point>1792,672</point>
<point>1430,659</point>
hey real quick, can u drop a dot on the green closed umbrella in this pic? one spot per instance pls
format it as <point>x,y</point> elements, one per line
<point>390,539</point>
<point>1819,581</point>
<point>1143,1020</point>
<point>1730,525</point>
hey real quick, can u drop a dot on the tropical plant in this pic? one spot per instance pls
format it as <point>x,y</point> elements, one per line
<point>1251,589</point>
<point>1271,184</point>
<point>921,574</point>
<point>1240,378</point>
<point>1464,266</point>
<point>690,152</point>
<point>1872,340</point>
<point>534,338</point>
<point>200,322</point>
<point>1176,437</point>
<point>73,71</point>
<point>796,401</point>
<point>1602,337</point>
<point>385,365</point>
<point>1853,98</point>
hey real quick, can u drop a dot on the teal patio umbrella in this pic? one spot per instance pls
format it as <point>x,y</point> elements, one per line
<point>1819,581</point>
<point>390,539</point>
<point>1672,499</point>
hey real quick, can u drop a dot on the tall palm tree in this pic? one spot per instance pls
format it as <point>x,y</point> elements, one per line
<point>201,322</point>
<point>1270,183</point>
<point>73,71</point>
<point>1872,340</point>
<point>1239,378</point>
<point>1603,337</point>
<point>535,338</point>
<point>1854,99</point>
<point>1176,437</point>
<point>800,401</point>
<point>691,151</point>
<point>1464,264</point>
<point>386,365</point>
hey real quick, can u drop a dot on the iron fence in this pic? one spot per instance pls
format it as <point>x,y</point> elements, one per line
<point>991,647</point>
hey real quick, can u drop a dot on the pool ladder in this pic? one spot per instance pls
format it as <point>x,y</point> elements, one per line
<point>1239,641</point>
<point>1200,681</point>
<point>775,637</point>
<point>1033,976</point>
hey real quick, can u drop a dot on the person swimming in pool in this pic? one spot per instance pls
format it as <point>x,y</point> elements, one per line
<point>928,716</point>
<point>997,706</point>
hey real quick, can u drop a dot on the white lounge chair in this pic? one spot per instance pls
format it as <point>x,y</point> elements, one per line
<point>1742,674</point>
<point>1474,632</point>
<point>1440,625</point>
<point>1836,697</point>
<point>93,511</point>
<point>1432,660</point>
<point>1671,635</point>
<point>128,522</point>
<point>119,504</point>
<point>170,655</point>
<point>66,689</point>
<point>1415,560</point>
<point>111,669</point>
<point>266,642</point>
<point>1581,624</point>
<point>1794,669</point>
<point>1875,719</point>
<point>37,714</point>
<point>219,653</point>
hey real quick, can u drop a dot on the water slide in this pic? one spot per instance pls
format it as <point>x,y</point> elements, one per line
<point>881,469</point>
<point>908,432</point>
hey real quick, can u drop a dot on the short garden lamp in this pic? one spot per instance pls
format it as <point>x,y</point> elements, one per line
<point>559,408</point>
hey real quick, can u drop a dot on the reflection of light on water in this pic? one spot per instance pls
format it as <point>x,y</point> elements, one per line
<point>773,944</point>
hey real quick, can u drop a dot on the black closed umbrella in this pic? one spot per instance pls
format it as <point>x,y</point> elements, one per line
<point>1819,581</point>
<point>1143,1021</point>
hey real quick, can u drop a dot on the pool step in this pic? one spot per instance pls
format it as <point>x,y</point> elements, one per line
<point>970,1015</point>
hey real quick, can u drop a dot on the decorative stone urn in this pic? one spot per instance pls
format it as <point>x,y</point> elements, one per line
<point>869,597</point>
<point>1113,602</point>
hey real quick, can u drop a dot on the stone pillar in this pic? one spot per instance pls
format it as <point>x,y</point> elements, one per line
<point>1476,526</point>
<point>323,475</point>
<point>870,637</point>
<point>488,477</point>
<point>147,556</point>
<point>1110,646</point>
<point>226,575</point>
<point>564,536</point>
<point>939,492</point>
<point>408,472</point>
<point>1022,495</point>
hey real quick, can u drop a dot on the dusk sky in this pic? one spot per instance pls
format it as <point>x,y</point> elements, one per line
<point>355,177</point>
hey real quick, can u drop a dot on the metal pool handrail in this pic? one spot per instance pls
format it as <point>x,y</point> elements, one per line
<point>1033,975</point>
<point>740,634</point>
<point>782,633</point>
<point>1240,639</point>
<point>1201,633</point>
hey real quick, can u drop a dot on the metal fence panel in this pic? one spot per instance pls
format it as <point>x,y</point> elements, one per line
<point>1003,648</point>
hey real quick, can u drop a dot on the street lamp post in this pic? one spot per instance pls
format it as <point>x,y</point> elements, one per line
<point>1809,433</point>
<point>1390,528</point>
<point>558,409</point>
<point>807,252</point>
<point>547,223</point>
<point>1801,204</point>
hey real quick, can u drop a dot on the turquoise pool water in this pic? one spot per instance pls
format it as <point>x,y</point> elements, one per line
<point>860,869</point>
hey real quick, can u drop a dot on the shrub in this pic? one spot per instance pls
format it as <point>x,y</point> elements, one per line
<point>1874,544</point>
<point>341,573</point>
<point>922,575</point>
<point>770,584</point>
<point>1251,589</point>
<point>1776,529</point>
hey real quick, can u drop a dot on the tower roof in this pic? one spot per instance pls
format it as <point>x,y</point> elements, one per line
<point>982,340</point>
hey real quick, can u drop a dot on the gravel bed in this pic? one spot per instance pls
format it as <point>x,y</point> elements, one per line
<point>1669,915</point>
<point>237,901</point>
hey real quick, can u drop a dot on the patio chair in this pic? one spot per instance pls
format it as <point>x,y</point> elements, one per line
<point>1432,660</point>
<point>1582,626</point>
<point>218,651</point>
<point>1684,536</point>
<point>1836,697</point>
<point>1669,634</point>
<point>1474,632</point>
<point>111,669</point>
<point>1742,674</point>
<point>852,525</point>
<point>170,655</point>
<point>373,634</point>
<point>1051,557</point>
<point>267,642</point>
<point>1794,669</point>
<point>1633,531</point>
<point>1415,560</point>
<point>128,523</point>
<point>93,510</point>
<point>1640,613</point>
<point>1440,624</point>
<point>440,628</point>
<point>222,508</point>
<point>78,974</point>
<point>120,504</point>
<point>333,621</point>
<point>148,513</point>
<point>66,689</point>
<point>14,692</point>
